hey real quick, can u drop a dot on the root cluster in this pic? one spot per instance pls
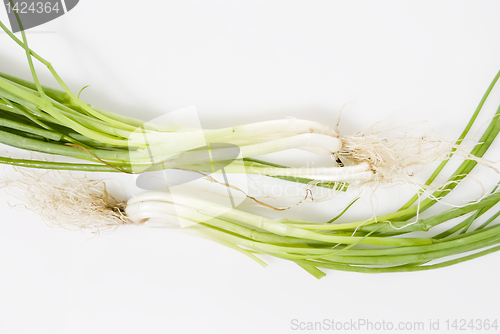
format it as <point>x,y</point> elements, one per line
<point>64,200</point>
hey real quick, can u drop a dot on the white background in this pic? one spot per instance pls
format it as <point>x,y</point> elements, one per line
<point>238,62</point>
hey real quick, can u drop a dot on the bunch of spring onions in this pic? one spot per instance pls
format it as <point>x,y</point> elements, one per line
<point>342,246</point>
<point>42,119</point>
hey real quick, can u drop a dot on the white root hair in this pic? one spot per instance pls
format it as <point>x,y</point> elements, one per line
<point>67,201</point>
<point>395,159</point>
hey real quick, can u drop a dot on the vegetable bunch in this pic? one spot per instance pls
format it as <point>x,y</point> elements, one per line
<point>42,119</point>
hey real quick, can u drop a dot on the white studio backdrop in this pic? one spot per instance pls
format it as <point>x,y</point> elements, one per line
<point>397,62</point>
